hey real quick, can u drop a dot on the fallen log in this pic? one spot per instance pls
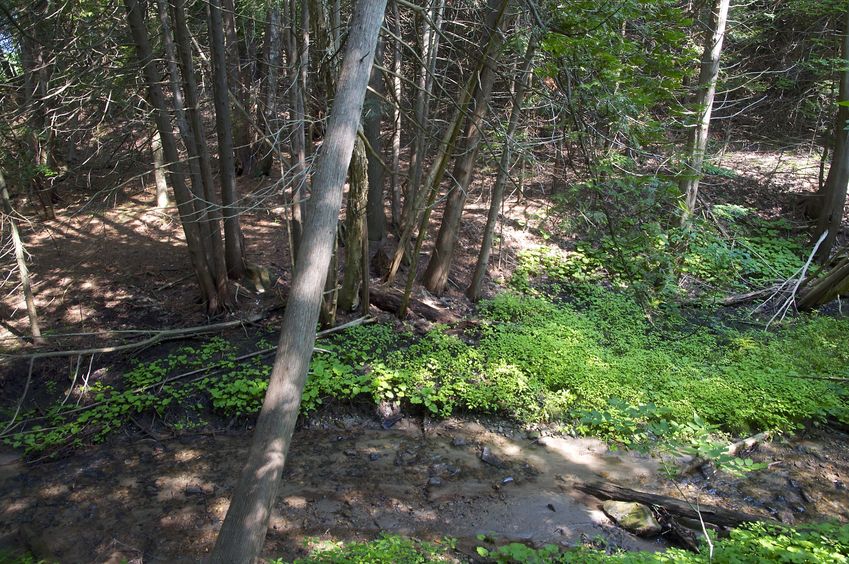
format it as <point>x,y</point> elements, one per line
<point>390,301</point>
<point>709,513</point>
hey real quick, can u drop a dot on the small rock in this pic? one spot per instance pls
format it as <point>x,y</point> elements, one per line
<point>786,516</point>
<point>633,517</point>
<point>491,459</point>
<point>434,481</point>
<point>458,442</point>
<point>551,507</point>
<point>351,452</point>
<point>374,456</point>
<point>507,480</point>
<point>194,489</point>
<point>533,435</point>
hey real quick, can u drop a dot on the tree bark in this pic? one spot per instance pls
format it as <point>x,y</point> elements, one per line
<point>497,197</point>
<point>239,82</point>
<point>397,50</point>
<point>430,47</point>
<point>833,194</point>
<point>233,252</point>
<point>20,259</point>
<point>356,227</point>
<point>244,529</point>
<point>298,89</point>
<point>206,203</point>
<point>698,137</point>
<point>436,274</point>
<point>162,199</point>
<point>827,288</point>
<point>182,195</point>
<point>269,101</point>
<point>372,119</point>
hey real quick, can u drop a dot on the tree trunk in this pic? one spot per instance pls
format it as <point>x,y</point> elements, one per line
<point>208,209</point>
<point>298,89</point>
<point>269,122</point>
<point>372,118</point>
<point>239,82</point>
<point>183,196</point>
<point>34,60</point>
<point>397,50</point>
<point>330,297</point>
<point>474,289</point>
<point>20,259</point>
<point>233,252</point>
<point>162,200</point>
<point>433,181</point>
<point>436,275</point>
<point>356,228</point>
<point>698,136</point>
<point>833,194</point>
<point>827,288</point>
<point>244,529</point>
<point>430,47</point>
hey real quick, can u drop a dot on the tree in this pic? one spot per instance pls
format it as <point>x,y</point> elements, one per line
<point>20,259</point>
<point>698,135</point>
<point>246,523</point>
<point>436,274</point>
<point>497,197</point>
<point>833,193</point>
<point>233,252</point>
<point>185,200</point>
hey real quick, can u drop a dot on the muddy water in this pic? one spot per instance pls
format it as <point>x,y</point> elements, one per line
<point>163,501</point>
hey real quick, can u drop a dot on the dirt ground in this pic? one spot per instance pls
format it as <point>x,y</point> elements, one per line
<point>143,500</point>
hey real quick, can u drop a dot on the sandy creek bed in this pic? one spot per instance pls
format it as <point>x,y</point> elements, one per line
<point>144,500</point>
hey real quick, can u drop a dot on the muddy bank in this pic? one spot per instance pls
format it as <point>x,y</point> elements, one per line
<point>151,501</point>
<point>143,500</point>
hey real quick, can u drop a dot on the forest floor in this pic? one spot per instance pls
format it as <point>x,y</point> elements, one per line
<point>151,496</point>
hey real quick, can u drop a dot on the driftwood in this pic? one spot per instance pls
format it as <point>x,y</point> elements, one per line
<point>390,301</point>
<point>710,514</point>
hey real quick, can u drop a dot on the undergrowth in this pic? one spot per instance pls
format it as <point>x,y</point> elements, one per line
<point>823,543</point>
<point>597,366</point>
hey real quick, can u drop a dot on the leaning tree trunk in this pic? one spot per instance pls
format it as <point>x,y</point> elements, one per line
<point>182,195</point>
<point>474,289</point>
<point>20,259</point>
<point>827,288</point>
<point>355,228</point>
<point>436,274</point>
<point>233,252</point>
<point>833,194</point>
<point>698,138</point>
<point>246,524</point>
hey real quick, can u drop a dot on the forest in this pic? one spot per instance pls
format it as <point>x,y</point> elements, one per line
<point>424,281</point>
